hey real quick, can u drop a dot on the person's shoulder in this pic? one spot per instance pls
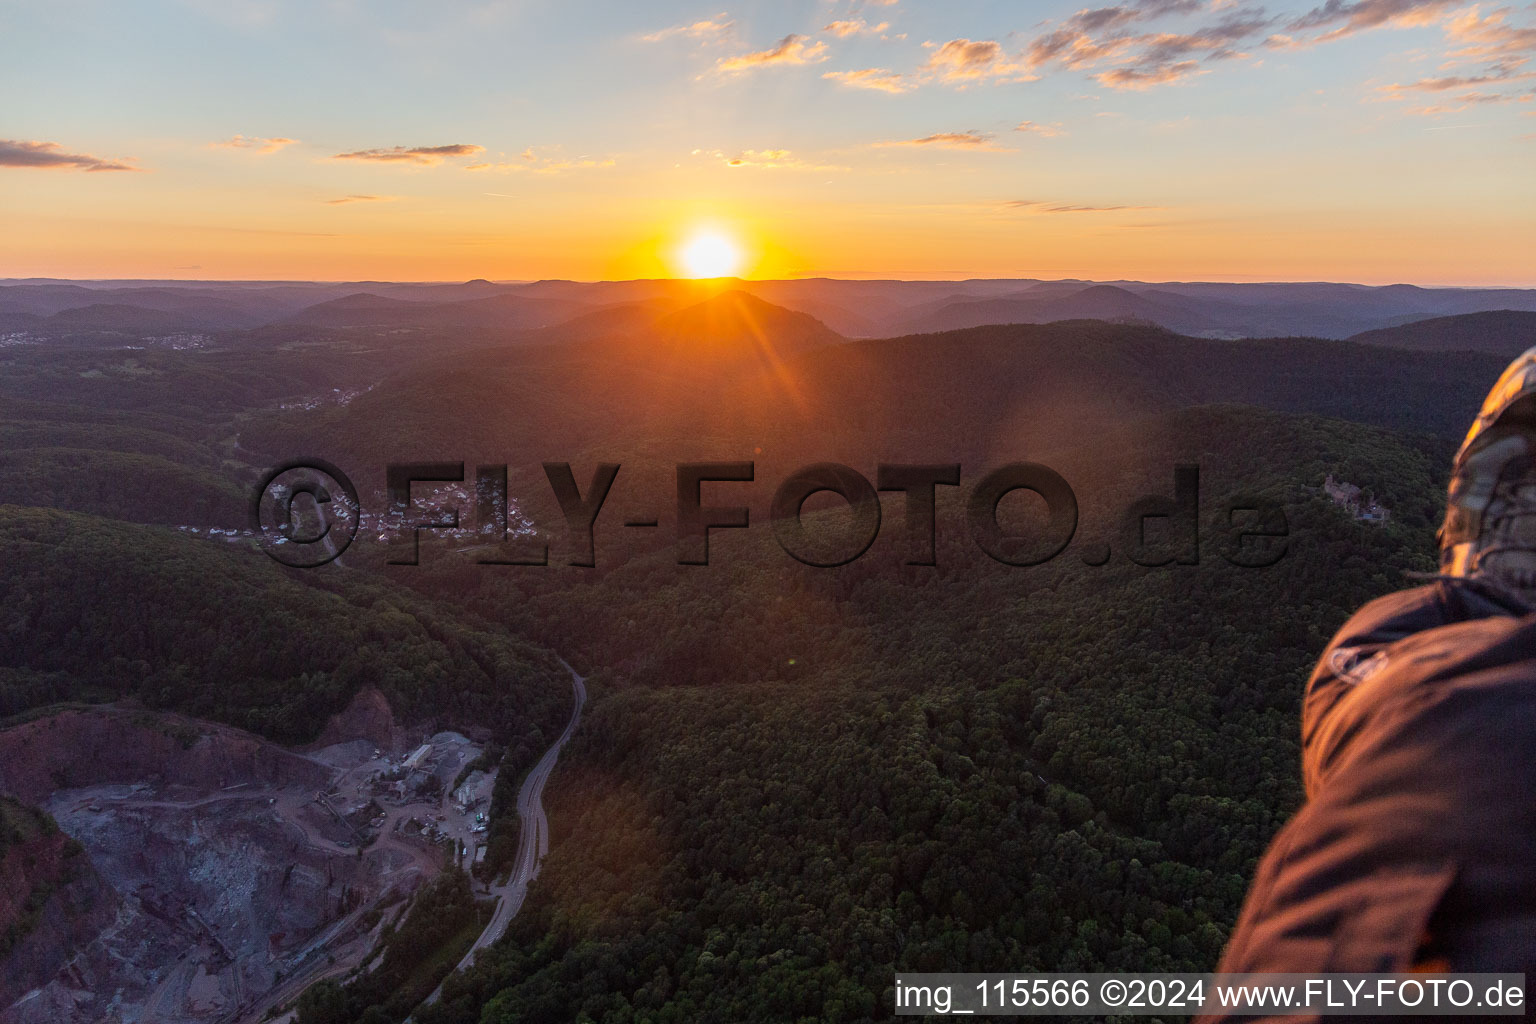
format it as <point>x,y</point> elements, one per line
<point>1394,616</point>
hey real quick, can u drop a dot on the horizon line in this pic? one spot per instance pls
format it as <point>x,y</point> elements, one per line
<point>873,278</point>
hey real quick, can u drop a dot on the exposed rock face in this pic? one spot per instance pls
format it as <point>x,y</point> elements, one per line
<point>51,902</point>
<point>193,866</point>
<point>215,901</point>
<point>369,718</point>
<point>101,746</point>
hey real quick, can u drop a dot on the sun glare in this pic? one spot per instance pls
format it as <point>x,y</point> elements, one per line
<point>709,254</point>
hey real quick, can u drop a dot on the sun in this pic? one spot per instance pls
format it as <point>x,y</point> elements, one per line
<point>709,254</point>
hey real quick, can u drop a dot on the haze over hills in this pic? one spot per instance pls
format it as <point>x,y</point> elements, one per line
<point>852,308</point>
<point>789,781</point>
<point>365,309</point>
<point>791,392</point>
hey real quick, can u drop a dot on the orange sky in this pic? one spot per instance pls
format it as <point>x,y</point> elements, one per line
<point>1372,141</point>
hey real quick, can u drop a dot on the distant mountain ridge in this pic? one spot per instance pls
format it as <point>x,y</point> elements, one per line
<point>497,310</point>
<point>1095,302</point>
<point>861,308</point>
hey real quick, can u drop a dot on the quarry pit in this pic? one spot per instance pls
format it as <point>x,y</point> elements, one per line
<point>222,874</point>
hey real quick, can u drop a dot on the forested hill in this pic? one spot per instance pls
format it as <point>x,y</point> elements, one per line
<point>789,782</point>
<point>1505,332</point>
<point>102,610</point>
<point>983,394</point>
<point>792,783</point>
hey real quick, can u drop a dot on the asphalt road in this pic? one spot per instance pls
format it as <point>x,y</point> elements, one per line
<point>532,840</point>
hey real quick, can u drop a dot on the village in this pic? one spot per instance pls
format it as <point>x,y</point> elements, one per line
<point>395,524</point>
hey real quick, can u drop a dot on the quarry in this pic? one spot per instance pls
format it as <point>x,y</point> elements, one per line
<point>220,874</point>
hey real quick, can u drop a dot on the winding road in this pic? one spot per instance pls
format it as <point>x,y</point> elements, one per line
<point>532,840</point>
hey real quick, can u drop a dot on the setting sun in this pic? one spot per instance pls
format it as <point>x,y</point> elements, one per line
<point>709,254</point>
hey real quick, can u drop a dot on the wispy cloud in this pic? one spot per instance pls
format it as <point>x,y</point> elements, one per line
<point>1486,55</point>
<point>1046,206</point>
<point>52,156</point>
<point>256,142</point>
<point>710,29</point>
<point>1108,42</point>
<point>1346,17</point>
<point>1104,41</point>
<point>342,200</point>
<point>973,140</point>
<point>530,162</point>
<point>1073,43</point>
<point>1138,78</point>
<point>855,27</point>
<point>427,155</point>
<point>1094,209</point>
<point>759,157</point>
<point>968,60</point>
<point>1036,128</point>
<point>769,159</point>
<point>1490,37</point>
<point>880,79</point>
<point>1468,100</point>
<point>792,49</point>
<point>1449,82</point>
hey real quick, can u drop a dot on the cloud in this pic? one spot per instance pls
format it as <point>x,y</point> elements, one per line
<point>1044,206</point>
<point>530,162</point>
<point>1137,79</point>
<point>958,61</point>
<point>770,159</point>
<point>1470,99</point>
<point>789,50</point>
<point>1036,128</point>
<point>1497,53</point>
<point>360,199</point>
<point>872,78</point>
<point>1491,97</point>
<point>1490,38</point>
<point>967,60</point>
<point>1441,84</point>
<point>1448,83</point>
<point>50,156</point>
<point>971,140</point>
<point>413,154</point>
<point>1350,17</point>
<point>1099,41</point>
<point>855,27</point>
<point>1073,44</point>
<point>1158,8</point>
<point>763,156</point>
<point>711,29</point>
<point>1074,49</point>
<point>1216,41</point>
<point>1093,209</point>
<point>256,142</point>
